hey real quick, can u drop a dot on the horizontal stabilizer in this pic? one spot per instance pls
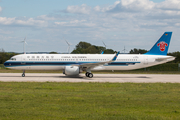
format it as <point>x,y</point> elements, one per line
<point>163,59</point>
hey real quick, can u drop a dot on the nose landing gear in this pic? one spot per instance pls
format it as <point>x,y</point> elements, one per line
<point>23,74</point>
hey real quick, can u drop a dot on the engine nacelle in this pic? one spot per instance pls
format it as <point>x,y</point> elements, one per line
<point>71,70</point>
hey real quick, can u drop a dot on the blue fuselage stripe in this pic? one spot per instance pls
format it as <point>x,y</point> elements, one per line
<point>45,63</point>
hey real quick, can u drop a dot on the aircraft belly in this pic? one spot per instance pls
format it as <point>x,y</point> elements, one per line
<point>129,67</point>
<point>46,67</point>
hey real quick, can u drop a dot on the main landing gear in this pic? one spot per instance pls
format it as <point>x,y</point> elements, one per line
<point>90,75</point>
<point>23,75</point>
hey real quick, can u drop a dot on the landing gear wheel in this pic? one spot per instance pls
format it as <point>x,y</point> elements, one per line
<point>87,74</point>
<point>90,75</point>
<point>23,75</point>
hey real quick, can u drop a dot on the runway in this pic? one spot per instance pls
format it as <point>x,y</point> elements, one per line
<point>112,78</point>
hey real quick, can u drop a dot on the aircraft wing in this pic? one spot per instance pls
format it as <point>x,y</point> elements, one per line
<point>92,65</point>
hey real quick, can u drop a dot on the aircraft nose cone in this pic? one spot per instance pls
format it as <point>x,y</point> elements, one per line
<point>5,63</point>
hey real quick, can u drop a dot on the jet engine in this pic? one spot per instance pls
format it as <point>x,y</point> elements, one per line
<point>71,70</point>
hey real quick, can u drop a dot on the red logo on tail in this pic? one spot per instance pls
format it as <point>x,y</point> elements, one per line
<point>162,45</point>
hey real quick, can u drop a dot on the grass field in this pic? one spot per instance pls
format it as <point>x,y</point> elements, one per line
<point>101,101</point>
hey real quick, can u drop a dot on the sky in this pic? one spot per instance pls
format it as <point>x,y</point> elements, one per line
<point>46,24</point>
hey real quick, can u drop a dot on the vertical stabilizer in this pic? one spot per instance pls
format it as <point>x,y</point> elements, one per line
<point>162,45</point>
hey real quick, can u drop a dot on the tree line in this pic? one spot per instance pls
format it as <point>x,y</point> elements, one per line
<point>5,56</point>
<point>87,48</point>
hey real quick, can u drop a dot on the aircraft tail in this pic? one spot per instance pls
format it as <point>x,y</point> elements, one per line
<point>162,45</point>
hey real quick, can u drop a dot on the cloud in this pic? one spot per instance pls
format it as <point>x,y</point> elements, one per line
<point>142,10</point>
<point>60,23</point>
<point>31,22</point>
<point>169,5</point>
<point>46,18</point>
<point>0,9</point>
<point>97,8</point>
<point>126,14</point>
<point>77,23</point>
<point>129,6</point>
<point>123,22</point>
<point>83,9</point>
<point>6,21</point>
<point>25,22</point>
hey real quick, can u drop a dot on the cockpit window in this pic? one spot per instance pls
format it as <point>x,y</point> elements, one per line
<point>13,59</point>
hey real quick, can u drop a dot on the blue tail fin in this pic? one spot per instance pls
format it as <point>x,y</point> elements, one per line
<point>162,45</point>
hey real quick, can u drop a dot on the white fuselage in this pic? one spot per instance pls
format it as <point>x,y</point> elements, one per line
<point>60,61</point>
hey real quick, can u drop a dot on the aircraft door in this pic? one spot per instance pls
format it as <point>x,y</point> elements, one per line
<point>24,63</point>
<point>23,60</point>
<point>145,60</point>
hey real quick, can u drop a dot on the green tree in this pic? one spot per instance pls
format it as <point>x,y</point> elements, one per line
<point>109,51</point>
<point>91,49</point>
<point>83,45</point>
<point>85,48</point>
<point>137,51</point>
<point>177,55</point>
<point>5,56</point>
<point>53,52</point>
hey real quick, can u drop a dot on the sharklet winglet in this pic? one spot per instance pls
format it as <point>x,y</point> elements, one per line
<point>115,57</point>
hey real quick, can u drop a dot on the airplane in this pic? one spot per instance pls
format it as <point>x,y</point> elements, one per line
<point>74,64</point>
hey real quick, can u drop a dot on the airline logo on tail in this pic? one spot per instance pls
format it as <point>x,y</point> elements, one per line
<point>162,46</point>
